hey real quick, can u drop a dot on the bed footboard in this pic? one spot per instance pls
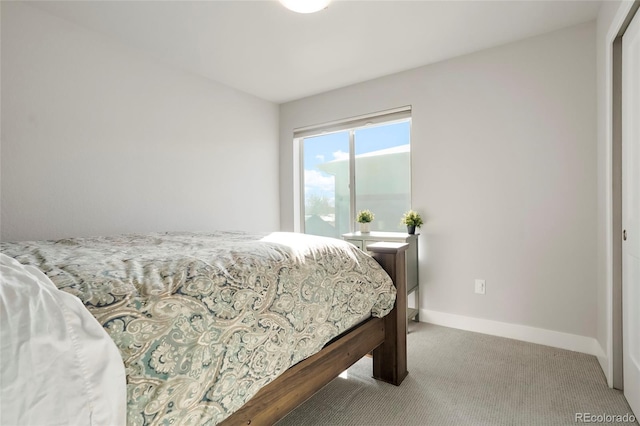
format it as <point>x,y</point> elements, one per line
<point>390,358</point>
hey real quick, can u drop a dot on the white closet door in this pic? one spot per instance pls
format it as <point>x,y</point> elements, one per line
<point>631,212</point>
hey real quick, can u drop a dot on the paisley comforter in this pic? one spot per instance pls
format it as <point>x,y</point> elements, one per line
<point>203,321</point>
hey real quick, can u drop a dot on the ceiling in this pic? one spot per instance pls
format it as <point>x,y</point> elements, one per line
<point>263,49</point>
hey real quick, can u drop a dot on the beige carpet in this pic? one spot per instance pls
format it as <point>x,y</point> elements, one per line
<point>462,378</point>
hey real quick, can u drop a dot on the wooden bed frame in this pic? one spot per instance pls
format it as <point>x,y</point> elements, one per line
<point>386,337</point>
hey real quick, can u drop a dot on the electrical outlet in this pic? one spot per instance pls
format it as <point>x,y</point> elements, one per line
<point>481,287</point>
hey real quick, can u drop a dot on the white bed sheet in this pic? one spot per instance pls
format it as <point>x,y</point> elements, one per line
<point>58,365</point>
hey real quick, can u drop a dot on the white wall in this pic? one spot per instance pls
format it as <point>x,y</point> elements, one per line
<point>99,139</point>
<point>504,169</point>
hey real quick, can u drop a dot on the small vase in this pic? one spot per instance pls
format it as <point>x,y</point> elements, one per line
<point>365,227</point>
<point>411,229</point>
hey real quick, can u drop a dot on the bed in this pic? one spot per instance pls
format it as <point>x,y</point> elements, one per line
<point>230,327</point>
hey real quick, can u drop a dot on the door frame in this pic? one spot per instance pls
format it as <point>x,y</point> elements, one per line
<point>616,379</point>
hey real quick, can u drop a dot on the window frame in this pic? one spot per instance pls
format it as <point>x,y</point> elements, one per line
<point>388,117</point>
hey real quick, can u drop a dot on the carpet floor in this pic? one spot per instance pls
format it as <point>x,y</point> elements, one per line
<point>458,377</point>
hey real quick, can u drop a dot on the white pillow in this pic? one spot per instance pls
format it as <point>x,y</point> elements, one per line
<point>58,365</point>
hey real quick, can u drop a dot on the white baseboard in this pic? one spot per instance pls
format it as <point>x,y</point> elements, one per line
<point>557,339</point>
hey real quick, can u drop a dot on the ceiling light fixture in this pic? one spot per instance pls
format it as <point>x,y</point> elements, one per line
<point>305,6</point>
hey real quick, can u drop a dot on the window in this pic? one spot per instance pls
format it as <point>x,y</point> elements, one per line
<point>352,166</point>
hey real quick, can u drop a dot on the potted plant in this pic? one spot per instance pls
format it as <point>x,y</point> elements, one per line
<point>364,218</point>
<point>413,220</point>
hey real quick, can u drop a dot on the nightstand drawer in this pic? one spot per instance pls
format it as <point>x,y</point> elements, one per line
<point>357,243</point>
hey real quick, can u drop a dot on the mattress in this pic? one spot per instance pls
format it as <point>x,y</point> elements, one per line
<point>202,321</point>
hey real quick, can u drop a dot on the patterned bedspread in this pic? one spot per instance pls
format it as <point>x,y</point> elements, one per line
<point>203,321</point>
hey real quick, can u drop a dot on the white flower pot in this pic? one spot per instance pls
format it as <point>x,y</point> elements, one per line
<point>365,227</point>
